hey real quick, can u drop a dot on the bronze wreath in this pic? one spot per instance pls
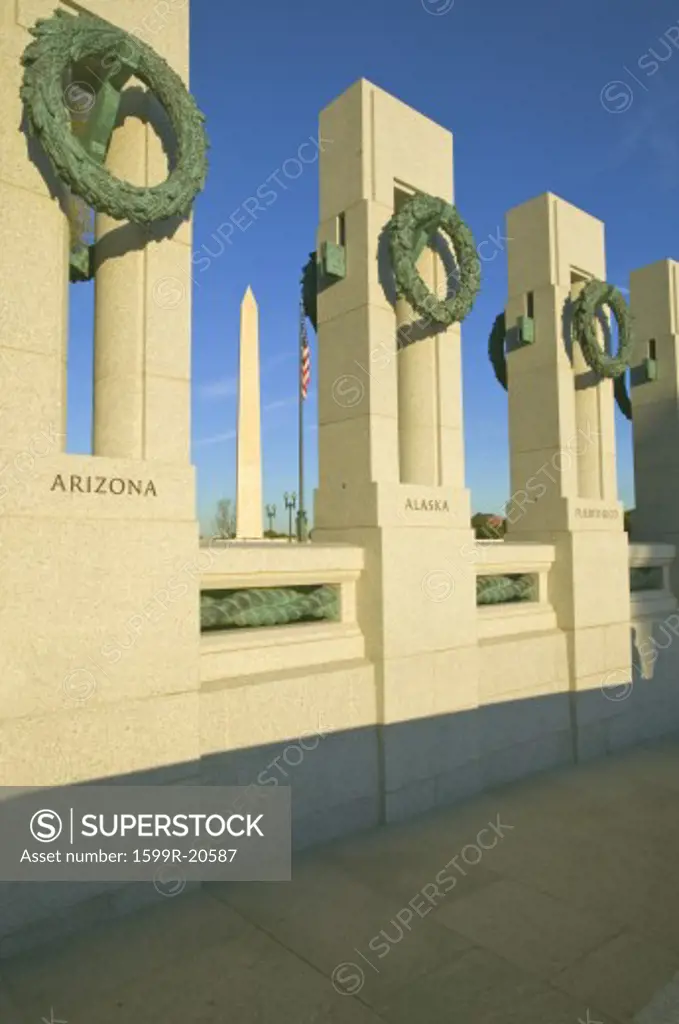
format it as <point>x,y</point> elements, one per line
<point>64,40</point>
<point>409,229</point>
<point>496,350</point>
<point>310,290</point>
<point>584,325</point>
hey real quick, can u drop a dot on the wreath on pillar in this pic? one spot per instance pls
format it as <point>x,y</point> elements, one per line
<point>593,296</point>
<point>586,307</point>
<point>622,396</point>
<point>409,231</point>
<point>496,350</point>
<point>63,41</point>
<point>310,290</point>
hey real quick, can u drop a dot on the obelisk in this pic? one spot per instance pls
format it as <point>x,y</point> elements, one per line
<point>249,430</point>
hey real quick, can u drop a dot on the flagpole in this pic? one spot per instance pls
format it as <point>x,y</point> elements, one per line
<point>300,488</point>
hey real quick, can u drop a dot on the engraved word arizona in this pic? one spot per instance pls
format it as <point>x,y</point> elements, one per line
<point>103,485</point>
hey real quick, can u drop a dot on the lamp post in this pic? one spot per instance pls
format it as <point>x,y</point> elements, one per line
<point>302,532</point>
<point>290,503</point>
<point>270,515</point>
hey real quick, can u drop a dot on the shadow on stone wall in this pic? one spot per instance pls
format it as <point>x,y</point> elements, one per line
<point>345,782</point>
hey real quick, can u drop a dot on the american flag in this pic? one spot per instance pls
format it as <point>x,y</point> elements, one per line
<point>305,354</point>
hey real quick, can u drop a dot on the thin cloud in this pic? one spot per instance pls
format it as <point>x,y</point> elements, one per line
<point>664,149</point>
<point>280,403</point>
<point>280,357</point>
<point>285,403</point>
<point>649,134</point>
<point>227,387</point>
<point>230,435</point>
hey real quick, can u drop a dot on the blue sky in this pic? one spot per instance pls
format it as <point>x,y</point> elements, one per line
<point>578,99</point>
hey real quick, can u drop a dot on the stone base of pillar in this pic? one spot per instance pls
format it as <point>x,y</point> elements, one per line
<point>589,589</point>
<point>342,505</point>
<point>417,610</point>
<point>102,558</point>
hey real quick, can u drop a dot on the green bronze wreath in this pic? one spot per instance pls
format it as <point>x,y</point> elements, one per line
<point>496,349</point>
<point>593,296</point>
<point>409,230</point>
<point>310,290</point>
<point>62,41</point>
<point>622,396</point>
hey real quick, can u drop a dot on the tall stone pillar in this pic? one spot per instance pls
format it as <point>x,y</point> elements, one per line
<point>142,376</point>
<point>249,443</point>
<point>99,674</point>
<point>34,242</point>
<point>99,660</point>
<point>654,292</point>
<point>421,364</point>
<point>120,291</point>
<point>562,458</point>
<point>379,411</point>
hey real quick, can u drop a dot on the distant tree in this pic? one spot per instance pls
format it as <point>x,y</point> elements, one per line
<point>628,519</point>
<point>488,526</point>
<point>225,520</point>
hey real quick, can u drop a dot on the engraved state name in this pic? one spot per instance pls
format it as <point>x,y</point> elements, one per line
<point>103,485</point>
<point>427,505</point>
<point>597,513</point>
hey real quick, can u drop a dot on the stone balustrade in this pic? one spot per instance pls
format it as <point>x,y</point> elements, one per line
<point>268,566</point>
<point>650,567</point>
<point>530,610</point>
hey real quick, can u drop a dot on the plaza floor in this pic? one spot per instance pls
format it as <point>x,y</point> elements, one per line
<point>554,900</point>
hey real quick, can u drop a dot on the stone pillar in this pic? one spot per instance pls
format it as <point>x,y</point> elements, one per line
<point>99,660</point>
<point>587,401</point>
<point>99,672</point>
<point>34,242</point>
<point>249,443</point>
<point>391,467</point>
<point>120,290</point>
<point>142,390</point>
<point>654,302</point>
<point>562,458</point>
<point>419,366</point>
